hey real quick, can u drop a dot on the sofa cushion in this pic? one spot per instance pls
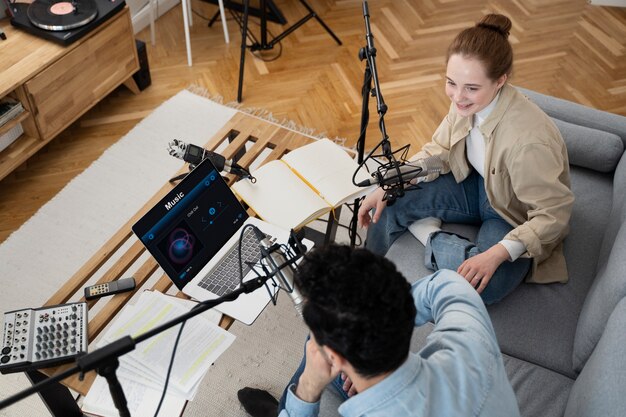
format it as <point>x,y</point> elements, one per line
<point>608,289</point>
<point>610,284</point>
<point>591,148</point>
<point>578,114</point>
<point>599,390</point>
<point>539,391</point>
<point>537,323</point>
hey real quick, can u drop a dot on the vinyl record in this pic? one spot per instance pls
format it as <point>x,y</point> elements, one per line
<point>60,15</point>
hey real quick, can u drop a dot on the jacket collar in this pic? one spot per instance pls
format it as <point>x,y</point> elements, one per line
<point>493,120</point>
<point>461,126</point>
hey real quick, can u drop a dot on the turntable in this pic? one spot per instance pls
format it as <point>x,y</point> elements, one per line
<point>63,21</point>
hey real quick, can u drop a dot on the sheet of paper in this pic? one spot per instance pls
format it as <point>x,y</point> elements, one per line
<point>200,344</point>
<point>141,400</point>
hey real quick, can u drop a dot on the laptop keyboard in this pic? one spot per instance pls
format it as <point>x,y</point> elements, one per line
<point>224,278</point>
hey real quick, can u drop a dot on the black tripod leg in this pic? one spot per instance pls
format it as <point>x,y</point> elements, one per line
<point>321,22</point>
<point>244,36</point>
<point>214,18</point>
<point>56,397</point>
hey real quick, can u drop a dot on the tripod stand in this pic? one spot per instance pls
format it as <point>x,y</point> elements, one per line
<point>264,44</point>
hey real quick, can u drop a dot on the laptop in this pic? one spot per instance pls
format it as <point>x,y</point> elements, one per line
<point>193,233</point>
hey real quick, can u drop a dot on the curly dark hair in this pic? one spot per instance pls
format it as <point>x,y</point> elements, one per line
<point>358,304</point>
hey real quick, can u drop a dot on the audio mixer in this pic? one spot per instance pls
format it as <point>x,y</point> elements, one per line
<point>41,337</point>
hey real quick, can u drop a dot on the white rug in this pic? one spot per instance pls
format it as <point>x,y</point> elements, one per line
<point>63,234</point>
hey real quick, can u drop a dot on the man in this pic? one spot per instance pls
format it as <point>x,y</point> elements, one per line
<point>361,312</point>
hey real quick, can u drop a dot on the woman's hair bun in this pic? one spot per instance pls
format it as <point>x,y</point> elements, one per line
<point>496,22</point>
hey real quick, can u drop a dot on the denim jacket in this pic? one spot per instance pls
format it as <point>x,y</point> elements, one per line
<point>459,371</point>
<point>526,175</point>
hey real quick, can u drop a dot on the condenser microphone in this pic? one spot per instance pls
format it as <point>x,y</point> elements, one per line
<point>387,174</point>
<point>280,268</point>
<point>194,154</point>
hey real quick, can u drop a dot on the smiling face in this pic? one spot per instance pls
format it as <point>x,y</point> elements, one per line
<point>468,86</point>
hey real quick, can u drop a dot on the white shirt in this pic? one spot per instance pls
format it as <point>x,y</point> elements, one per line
<point>475,149</point>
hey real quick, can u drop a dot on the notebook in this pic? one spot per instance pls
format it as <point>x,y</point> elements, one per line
<point>195,229</point>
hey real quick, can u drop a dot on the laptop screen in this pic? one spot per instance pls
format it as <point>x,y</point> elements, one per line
<point>191,223</point>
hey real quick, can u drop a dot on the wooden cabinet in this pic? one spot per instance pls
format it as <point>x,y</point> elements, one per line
<point>57,84</point>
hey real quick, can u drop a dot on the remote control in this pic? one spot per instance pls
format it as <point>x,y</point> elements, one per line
<point>109,288</point>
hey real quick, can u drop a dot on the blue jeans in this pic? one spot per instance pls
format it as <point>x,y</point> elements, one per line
<point>337,383</point>
<point>452,202</point>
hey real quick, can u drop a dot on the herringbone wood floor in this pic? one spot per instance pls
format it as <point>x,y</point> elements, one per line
<point>565,48</point>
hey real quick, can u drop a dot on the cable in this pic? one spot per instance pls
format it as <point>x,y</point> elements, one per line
<point>182,326</point>
<point>169,368</point>
<point>257,54</point>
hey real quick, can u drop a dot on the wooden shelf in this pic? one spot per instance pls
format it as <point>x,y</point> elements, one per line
<point>13,122</point>
<point>57,84</point>
<point>16,153</point>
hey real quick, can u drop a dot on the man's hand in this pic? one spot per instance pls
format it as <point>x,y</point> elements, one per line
<point>374,200</point>
<point>318,372</point>
<point>348,386</point>
<point>480,268</point>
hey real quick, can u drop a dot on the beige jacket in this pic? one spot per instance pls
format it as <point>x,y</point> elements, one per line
<point>526,175</point>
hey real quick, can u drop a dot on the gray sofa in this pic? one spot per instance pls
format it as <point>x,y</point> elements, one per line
<point>564,345</point>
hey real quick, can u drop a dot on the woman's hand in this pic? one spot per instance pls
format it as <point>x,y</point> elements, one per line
<point>480,268</point>
<point>374,200</point>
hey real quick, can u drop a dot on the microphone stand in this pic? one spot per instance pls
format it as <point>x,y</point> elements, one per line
<point>368,53</point>
<point>105,360</point>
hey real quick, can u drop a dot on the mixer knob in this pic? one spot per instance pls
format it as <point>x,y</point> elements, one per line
<point>57,352</point>
<point>39,330</point>
<point>74,307</point>
<point>65,325</point>
<point>37,355</point>
<point>65,352</point>
<point>44,354</point>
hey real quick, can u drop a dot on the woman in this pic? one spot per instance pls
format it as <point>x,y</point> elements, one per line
<point>505,169</point>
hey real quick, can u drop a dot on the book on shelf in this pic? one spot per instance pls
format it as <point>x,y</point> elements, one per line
<point>303,185</point>
<point>9,109</point>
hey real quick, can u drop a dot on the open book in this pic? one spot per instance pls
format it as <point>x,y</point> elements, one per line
<point>305,184</point>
